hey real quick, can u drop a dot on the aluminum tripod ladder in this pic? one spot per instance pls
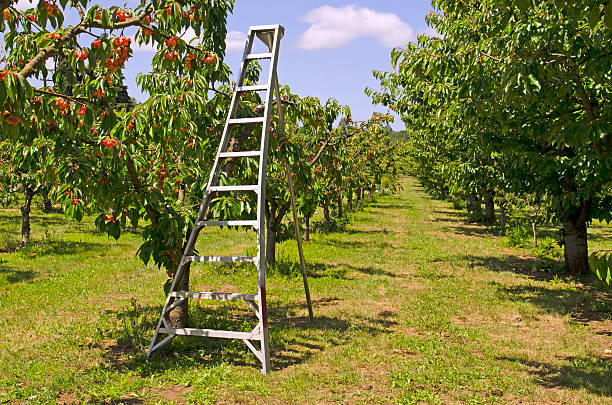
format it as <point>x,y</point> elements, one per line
<point>270,35</point>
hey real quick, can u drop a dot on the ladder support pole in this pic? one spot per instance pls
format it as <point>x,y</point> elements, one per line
<point>296,223</point>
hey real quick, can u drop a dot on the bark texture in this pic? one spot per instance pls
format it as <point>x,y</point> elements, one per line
<point>25,216</point>
<point>179,316</point>
<point>575,248</point>
<point>47,205</point>
<point>489,209</point>
<point>274,217</point>
<point>326,216</point>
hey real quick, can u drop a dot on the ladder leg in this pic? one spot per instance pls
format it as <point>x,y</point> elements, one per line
<point>265,350</point>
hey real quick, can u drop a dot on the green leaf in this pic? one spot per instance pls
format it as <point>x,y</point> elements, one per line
<point>167,286</point>
<point>608,15</point>
<point>522,5</point>
<point>594,15</point>
<point>534,81</point>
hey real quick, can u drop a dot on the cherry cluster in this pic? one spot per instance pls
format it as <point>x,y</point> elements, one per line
<point>51,35</point>
<point>122,15</point>
<point>63,105</point>
<point>81,55</point>
<point>120,51</point>
<point>171,42</point>
<point>52,9</point>
<point>10,118</point>
<point>109,142</point>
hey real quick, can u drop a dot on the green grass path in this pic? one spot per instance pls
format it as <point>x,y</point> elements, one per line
<point>412,305</point>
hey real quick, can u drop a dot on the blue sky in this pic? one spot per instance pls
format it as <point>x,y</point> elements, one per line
<point>330,47</point>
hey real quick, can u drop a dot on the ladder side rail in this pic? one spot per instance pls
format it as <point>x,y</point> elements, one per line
<point>261,200</point>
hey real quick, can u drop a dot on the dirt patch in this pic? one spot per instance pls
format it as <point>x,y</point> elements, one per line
<point>227,288</point>
<point>67,398</point>
<point>175,393</point>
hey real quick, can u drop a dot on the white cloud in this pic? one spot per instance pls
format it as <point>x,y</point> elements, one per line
<point>235,41</point>
<point>24,5</point>
<point>333,27</point>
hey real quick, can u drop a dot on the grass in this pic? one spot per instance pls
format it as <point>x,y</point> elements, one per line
<point>412,305</point>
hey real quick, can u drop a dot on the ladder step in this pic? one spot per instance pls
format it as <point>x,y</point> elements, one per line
<point>245,153</point>
<point>215,296</point>
<point>250,187</point>
<point>259,87</point>
<point>227,259</point>
<point>264,28</point>
<point>252,56</point>
<point>249,120</point>
<point>253,223</point>
<point>227,334</point>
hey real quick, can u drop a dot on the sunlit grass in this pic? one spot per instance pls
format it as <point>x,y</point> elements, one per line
<point>411,305</point>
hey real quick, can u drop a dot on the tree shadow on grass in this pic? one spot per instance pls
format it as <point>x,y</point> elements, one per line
<point>593,374</point>
<point>16,276</point>
<point>584,302</point>
<point>357,245</point>
<point>292,269</point>
<point>62,247</point>
<point>293,338</point>
<point>390,205</point>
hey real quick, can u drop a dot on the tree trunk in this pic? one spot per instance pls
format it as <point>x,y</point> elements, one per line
<point>473,204</point>
<point>575,247</point>
<point>179,316</point>
<point>306,228</point>
<point>489,209</point>
<point>271,245</point>
<point>503,217</point>
<point>446,192</point>
<point>25,216</point>
<point>340,213</point>
<point>349,201</point>
<point>48,206</point>
<point>326,216</point>
<point>535,235</point>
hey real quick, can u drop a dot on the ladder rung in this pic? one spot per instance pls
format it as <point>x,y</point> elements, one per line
<point>250,187</point>
<point>267,55</point>
<point>228,334</point>
<point>215,296</point>
<point>229,259</point>
<point>264,28</point>
<point>251,222</point>
<point>248,120</point>
<point>259,87</point>
<point>245,153</point>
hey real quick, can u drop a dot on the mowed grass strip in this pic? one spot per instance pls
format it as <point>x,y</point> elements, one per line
<point>412,305</point>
